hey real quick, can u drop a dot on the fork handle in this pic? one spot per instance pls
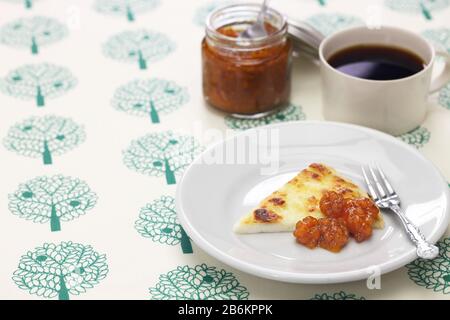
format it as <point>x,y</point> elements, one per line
<point>425,250</point>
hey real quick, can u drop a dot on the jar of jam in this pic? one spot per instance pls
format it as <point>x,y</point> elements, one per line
<point>246,77</point>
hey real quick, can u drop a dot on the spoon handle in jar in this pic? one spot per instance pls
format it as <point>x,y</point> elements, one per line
<point>262,12</point>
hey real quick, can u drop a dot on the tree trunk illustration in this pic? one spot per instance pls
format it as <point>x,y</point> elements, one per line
<point>130,15</point>
<point>46,155</point>
<point>426,13</point>
<point>28,4</point>
<point>153,113</point>
<point>34,46</point>
<point>322,2</point>
<point>170,175</point>
<point>63,293</point>
<point>185,242</point>
<point>40,100</point>
<point>55,224</point>
<point>142,62</point>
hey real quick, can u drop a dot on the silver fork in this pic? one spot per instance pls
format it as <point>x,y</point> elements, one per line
<point>385,197</point>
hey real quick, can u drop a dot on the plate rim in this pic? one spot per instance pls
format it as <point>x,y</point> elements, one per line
<point>306,278</point>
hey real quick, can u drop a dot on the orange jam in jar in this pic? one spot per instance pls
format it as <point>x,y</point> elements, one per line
<point>246,77</point>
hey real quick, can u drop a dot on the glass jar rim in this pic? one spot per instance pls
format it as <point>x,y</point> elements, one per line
<point>253,8</point>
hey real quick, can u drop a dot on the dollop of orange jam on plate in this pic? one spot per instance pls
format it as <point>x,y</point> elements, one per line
<point>344,218</point>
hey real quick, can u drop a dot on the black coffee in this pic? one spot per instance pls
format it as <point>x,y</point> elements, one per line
<point>376,62</point>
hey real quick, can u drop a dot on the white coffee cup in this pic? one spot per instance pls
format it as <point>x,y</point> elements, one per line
<point>393,106</point>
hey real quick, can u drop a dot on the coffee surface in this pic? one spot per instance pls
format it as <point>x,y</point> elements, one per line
<point>376,62</point>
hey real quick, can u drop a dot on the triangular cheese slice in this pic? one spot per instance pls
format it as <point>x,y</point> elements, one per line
<point>297,199</point>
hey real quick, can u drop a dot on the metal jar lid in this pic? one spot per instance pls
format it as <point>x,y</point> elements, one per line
<point>305,38</point>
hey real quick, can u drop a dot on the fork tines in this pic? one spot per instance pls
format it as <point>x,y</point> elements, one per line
<point>377,183</point>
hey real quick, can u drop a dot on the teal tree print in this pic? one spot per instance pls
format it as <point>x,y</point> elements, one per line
<point>44,137</point>
<point>28,4</point>
<point>417,137</point>
<point>203,11</point>
<point>424,7</point>
<point>150,98</point>
<point>433,274</point>
<point>60,270</point>
<point>322,2</point>
<point>158,221</point>
<point>52,200</point>
<point>200,282</point>
<point>125,8</point>
<point>337,296</point>
<point>32,33</point>
<point>290,113</point>
<point>162,153</point>
<point>139,47</point>
<point>444,97</point>
<point>441,39</point>
<point>330,23</point>
<point>38,82</point>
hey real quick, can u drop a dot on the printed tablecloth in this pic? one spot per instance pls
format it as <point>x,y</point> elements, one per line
<point>100,112</point>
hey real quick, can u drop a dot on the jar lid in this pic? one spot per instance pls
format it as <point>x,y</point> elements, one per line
<point>305,38</point>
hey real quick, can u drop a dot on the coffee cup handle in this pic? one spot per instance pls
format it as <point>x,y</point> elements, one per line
<point>444,77</point>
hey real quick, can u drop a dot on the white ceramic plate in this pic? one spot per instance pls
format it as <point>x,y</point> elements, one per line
<point>212,197</point>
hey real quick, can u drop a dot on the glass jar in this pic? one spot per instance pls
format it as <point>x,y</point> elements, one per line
<point>247,78</point>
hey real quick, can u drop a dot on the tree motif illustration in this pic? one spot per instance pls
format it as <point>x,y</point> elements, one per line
<point>444,97</point>
<point>198,283</point>
<point>337,296</point>
<point>330,23</point>
<point>433,274</point>
<point>126,8</point>
<point>158,221</point>
<point>439,37</point>
<point>162,153</point>
<point>32,33</point>
<point>417,137</point>
<point>322,2</point>
<point>28,4</point>
<point>203,11</point>
<point>140,47</point>
<point>290,113</point>
<point>60,270</point>
<point>150,98</point>
<point>424,7</point>
<point>38,82</point>
<point>44,137</point>
<point>52,199</point>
